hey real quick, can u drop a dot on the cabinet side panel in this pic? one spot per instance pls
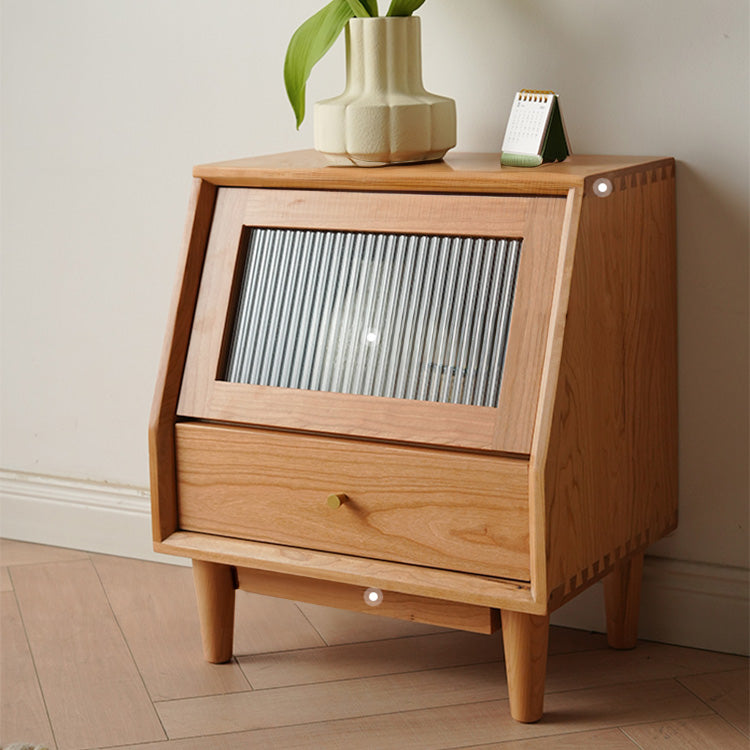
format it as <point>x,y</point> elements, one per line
<point>169,377</point>
<point>611,470</point>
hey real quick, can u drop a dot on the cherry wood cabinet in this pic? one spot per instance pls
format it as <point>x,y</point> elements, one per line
<point>443,392</point>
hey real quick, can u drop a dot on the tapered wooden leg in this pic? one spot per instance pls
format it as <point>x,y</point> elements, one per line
<point>622,599</point>
<point>214,589</point>
<point>525,639</point>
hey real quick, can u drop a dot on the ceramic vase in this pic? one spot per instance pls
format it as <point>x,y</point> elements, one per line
<point>384,116</point>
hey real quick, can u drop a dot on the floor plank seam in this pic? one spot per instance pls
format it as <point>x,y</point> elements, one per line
<point>712,715</point>
<point>235,660</point>
<point>339,680</point>
<point>444,706</point>
<point>501,680</point>
<point>345,644</point>
<point>631,724</point>
<point>311,624</point>
<point>702,704</point>
<point>414,636</point>
<point>341,720</point>
<point>323,681</point>
<point>608,685</point>
<point>112,612</point>
<point>691,648</point>
<point>679,679</point>
<point>629,738</point>
<point>712,672</point>
<point>203,696</point>
<point>494,743</point>
<point>559,732</point>
<point>33,662</point>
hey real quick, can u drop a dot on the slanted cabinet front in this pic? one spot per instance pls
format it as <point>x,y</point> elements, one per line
<point>405,317</point>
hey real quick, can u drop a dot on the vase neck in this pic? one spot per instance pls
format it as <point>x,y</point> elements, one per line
<point>384,54</point>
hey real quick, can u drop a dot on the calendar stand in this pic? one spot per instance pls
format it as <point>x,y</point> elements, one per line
<point>536,132</point>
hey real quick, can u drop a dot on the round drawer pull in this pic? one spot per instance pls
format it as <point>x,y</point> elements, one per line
<point>337,499</point>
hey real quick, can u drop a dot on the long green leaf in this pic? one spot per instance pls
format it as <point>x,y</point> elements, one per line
<point>358,9</point>
<point>403,7</point>
<point>308,44</point>
<point>371,6</point>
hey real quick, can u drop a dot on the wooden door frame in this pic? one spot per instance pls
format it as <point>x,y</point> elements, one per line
<point>506,428</point>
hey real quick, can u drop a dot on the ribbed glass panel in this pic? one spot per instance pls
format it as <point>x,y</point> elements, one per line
<point>402,316</point>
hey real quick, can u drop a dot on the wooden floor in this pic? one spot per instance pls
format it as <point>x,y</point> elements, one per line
<point>104,652</point>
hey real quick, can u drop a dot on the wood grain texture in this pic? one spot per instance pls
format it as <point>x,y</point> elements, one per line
<point>525,642</point>
<point>24,715</point>
<point>342,626</point>
<point>163,632</point>
<point>622,600</point>
<point>610,478</point>
<point>211,312</point>
<point>458,172</point>
<point>214,592</point>
<point>507,428</point>
<point>592,690</point>
<point>68,622</point>
<point>457,511</point>
<point>648,662</point>
<point>414,422</point>
<point>475,724</point>
<point>399,213</point>
<point>725,692</point>
<point>604,739</point>
<point>703,733</point>
<point>359,571</point>
<point>169,377</point>
<point>527,337</point>
<point>331,701</point>
<point>22,553</point>
<point>547,390</point>
<point>264,623</point>
<point>371,658</point>
<point>379,654</point>
<point>343,596</point>
<point>420,711</point>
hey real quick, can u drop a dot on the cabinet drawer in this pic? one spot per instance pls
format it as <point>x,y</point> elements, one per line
<point>443,509</point>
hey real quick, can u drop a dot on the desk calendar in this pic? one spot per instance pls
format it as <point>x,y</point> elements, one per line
<point>535,131</point>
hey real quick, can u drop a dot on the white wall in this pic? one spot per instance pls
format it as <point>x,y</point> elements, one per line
<point>107,105</point>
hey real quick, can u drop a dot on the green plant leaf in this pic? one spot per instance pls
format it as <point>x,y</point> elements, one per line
<point>371,6</point>
<point>403,7</point>
<point>308,44</point>
<point>359,9</point>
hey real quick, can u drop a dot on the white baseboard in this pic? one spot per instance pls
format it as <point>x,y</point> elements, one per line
<point>684,603</point>
<point>90,516</point>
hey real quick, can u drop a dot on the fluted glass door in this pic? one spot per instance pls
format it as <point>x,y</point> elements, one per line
<point>419,317</point>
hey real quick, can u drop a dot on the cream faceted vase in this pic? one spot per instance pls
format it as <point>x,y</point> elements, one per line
<point>384,115</point>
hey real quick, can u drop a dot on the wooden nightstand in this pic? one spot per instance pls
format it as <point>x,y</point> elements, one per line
<point>444,392</point>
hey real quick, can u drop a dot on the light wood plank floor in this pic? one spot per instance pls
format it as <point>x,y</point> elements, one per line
<point>101,652</point>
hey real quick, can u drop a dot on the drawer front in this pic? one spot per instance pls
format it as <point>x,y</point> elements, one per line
<point>443,509</point>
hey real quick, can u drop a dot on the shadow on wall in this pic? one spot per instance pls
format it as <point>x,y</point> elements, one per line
<point>712,272</point>
<point>503,46</point>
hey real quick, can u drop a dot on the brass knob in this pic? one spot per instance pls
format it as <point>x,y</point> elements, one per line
<point>337,499</point>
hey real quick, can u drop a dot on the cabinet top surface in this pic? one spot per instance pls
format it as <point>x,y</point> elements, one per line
<point>458,172</point>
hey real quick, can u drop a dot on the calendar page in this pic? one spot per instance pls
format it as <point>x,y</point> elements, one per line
<point>528,121</point>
